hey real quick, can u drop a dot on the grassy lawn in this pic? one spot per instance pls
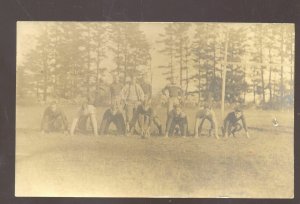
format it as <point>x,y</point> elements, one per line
<point>84,165</point>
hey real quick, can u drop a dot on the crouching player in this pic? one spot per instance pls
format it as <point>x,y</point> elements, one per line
<point>54,120</point>
<point>114,115</point>
<point>177,117</point>
<point>206,113</point>
<point>86,112</point>
<point>232,123</point>
<point>146,117</point>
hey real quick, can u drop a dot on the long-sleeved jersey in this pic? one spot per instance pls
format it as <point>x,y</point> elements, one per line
<point>231,118</point>
<point>52,115</point>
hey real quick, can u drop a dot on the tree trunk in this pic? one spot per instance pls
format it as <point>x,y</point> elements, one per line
<point>261,60</point>
<point>186,71</point>
<point>281,69</point>
<point>199,80</point>
<point>270,76</point>
<point>88,64</point>
<point>181,69</point>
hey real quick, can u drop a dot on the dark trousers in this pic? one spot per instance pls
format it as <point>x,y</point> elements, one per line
<point>115,118</point>
<point>173,122</point>
<point>232,128</point>
<point>138,115</point>
<point>54,125</point>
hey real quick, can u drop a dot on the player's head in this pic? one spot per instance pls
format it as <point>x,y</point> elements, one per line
<point>53,105</point>
<point>207,108</point>
<point>237,111</point>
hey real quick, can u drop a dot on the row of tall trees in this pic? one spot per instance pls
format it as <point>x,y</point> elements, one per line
<point>258,58</point>
<point>69,59</point>
<point>75,59</point>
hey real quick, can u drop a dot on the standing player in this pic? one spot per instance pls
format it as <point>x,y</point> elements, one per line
<point>115,89</point>
<point>147,89</point>
<point>232,123</point>
<point>54,120</point>
<point>206,113</point>
<point>174,93</point>
<point>114,114</point>
<point>132,95</point>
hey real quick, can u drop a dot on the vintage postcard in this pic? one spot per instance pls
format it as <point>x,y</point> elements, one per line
<point>119,109</point>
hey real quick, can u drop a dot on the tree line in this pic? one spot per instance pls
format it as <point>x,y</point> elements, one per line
<point>70,59</point>
<point>259,59</point>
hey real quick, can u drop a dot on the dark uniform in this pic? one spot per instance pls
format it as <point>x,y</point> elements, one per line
<point>232,123</point>
<point>113,115</point>
<point>147,88</point>
<point>54,120</point>
<point>146,116</point>
<point>177,117</point>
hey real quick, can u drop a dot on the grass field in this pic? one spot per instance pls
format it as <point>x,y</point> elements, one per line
<point>63,165</point>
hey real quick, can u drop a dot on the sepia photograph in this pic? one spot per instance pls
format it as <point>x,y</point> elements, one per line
<point>155,109</point>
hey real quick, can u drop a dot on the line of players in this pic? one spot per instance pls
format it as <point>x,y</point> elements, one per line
<point>131,112</point>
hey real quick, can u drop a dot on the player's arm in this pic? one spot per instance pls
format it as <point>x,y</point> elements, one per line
<point>73,125</point>
<point>65,120</point>
<point>169,122</point>
<point>94,123</point>
<point>245,125</point>
<point>214,120</point>
<point>44,120</point>
<point>226,126</point>
<point>151,117</point>
<point>124,93</point>
<point>141,93</point>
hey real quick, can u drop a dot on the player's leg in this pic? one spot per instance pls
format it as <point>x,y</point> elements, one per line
<point>58,124</point>
<point>147,125</point>
<point>213,127</point>
<point>82,124</point>
<point>171,129</point>
<point>120,123</point>
<point>200,126</point>
<point>236,128</point>
<point>106,120</point>
<point>183,125</point>
<point>129,114</point>
<point>49,126</point>
<point>141,122</point>
<point>157,123</point>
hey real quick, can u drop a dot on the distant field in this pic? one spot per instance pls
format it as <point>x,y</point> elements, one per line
<point>61,165</point>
